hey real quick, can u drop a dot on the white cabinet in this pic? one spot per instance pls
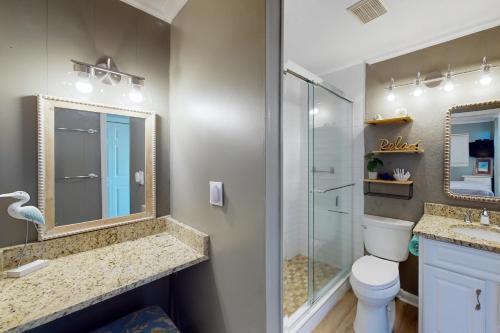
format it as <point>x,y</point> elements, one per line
<point>453,302</point>
<point>459,289</point>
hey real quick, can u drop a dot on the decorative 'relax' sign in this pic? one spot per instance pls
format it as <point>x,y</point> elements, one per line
<point>399,145</point>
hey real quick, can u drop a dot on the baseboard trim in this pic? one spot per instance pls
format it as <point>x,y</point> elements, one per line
<point>318,311</point>
<point>408,298</point>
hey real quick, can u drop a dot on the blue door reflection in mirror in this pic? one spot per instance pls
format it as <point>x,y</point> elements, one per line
<point>118,168</point>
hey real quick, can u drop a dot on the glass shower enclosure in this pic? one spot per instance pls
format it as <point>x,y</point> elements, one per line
<point>317,192</point>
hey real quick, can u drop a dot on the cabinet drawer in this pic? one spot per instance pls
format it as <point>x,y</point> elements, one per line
<point>478,263</point>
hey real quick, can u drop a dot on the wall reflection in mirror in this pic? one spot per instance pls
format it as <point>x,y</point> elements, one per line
<point>96,166</point>
<point>99,165</point>
<point>474,155</point>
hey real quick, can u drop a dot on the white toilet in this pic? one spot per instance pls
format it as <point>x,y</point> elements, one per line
<point>375,277</point>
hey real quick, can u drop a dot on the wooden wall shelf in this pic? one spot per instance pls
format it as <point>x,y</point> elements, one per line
<point>396,120</point>
<point>392,182</point>
<point>369,182</point>
<point>420,151</point>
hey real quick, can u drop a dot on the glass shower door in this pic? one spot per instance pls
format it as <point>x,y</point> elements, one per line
<point>330,190</point>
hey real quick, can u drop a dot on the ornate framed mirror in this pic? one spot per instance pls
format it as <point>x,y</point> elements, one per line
<point>96,166</point>
<point>472,152</point>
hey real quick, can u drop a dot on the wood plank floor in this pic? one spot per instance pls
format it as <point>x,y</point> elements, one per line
<point>341,317</point>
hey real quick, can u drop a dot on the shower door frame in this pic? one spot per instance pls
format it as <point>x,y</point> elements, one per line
<point>337,282</point>
<point>313,294</point>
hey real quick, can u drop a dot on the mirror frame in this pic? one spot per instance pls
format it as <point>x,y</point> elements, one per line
<point>447,149</point>
<point>46,164</point>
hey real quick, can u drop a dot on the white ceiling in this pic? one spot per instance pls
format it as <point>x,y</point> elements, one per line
<point>323,36</point>
<point>165,10</point>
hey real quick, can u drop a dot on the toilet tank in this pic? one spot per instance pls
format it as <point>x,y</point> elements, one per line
<point>387,238</point>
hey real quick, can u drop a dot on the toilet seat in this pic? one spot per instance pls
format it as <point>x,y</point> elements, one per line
<point>375,273</point>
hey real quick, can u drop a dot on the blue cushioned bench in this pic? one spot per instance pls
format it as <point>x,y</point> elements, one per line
<point>148,320</point>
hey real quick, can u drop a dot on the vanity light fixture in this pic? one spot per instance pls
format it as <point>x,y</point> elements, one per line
<point>449,85</point>
<point>418,91</point>
<point>106,72</point>
<point>391,96</point>
<point>432,81</point>
<point>485,76</point>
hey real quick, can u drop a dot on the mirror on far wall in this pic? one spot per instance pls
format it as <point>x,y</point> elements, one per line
<point>96,168</point>
<point>472,152</point>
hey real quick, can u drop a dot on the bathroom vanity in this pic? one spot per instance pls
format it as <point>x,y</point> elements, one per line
<point>89,268</point>
<point>459,272</point>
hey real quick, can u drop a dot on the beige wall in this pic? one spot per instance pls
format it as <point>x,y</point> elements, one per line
<point>218,133</point>
<point>39,37</point>
<point>428,112</point>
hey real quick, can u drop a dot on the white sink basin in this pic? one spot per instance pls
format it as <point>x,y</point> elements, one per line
<point>485,233</point>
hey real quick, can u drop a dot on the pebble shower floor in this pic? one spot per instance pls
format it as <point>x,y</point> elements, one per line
<point>295,276</point>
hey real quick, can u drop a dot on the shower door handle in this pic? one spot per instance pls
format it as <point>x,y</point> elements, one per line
<point>334,188</point>
<point>338,211</point>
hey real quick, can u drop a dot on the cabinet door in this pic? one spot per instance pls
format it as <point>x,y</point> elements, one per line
<point>493,314</point>
<point>451,302</point>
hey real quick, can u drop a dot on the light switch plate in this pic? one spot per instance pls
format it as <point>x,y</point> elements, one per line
<point>216,194</point>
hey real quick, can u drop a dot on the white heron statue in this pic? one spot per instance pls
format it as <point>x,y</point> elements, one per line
<point>27,213</point>
<point>17,211</point>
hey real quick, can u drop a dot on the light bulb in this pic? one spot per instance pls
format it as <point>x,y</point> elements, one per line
<point>485,76</point>
<point>485,79</point>
<point>418,92</point>
<point>83,83</point>
<point>449,86</point>
<point>135,94</point>
<point>391,96</point>
<point>418,89</point>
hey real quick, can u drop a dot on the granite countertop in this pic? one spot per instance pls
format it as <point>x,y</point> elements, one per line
<point>441,228</point>
<point>71,283</point>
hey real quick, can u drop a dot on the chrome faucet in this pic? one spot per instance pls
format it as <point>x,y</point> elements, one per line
<point>468,217</point>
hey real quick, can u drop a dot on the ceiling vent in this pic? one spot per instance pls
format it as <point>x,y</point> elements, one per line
<point>368,10</point>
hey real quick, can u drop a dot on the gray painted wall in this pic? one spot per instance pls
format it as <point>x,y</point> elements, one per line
<point>39,37</point>
<point>429,113</point>
<point>218,74</point>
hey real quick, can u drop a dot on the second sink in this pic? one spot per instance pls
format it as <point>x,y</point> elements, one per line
<point>489,234</point>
